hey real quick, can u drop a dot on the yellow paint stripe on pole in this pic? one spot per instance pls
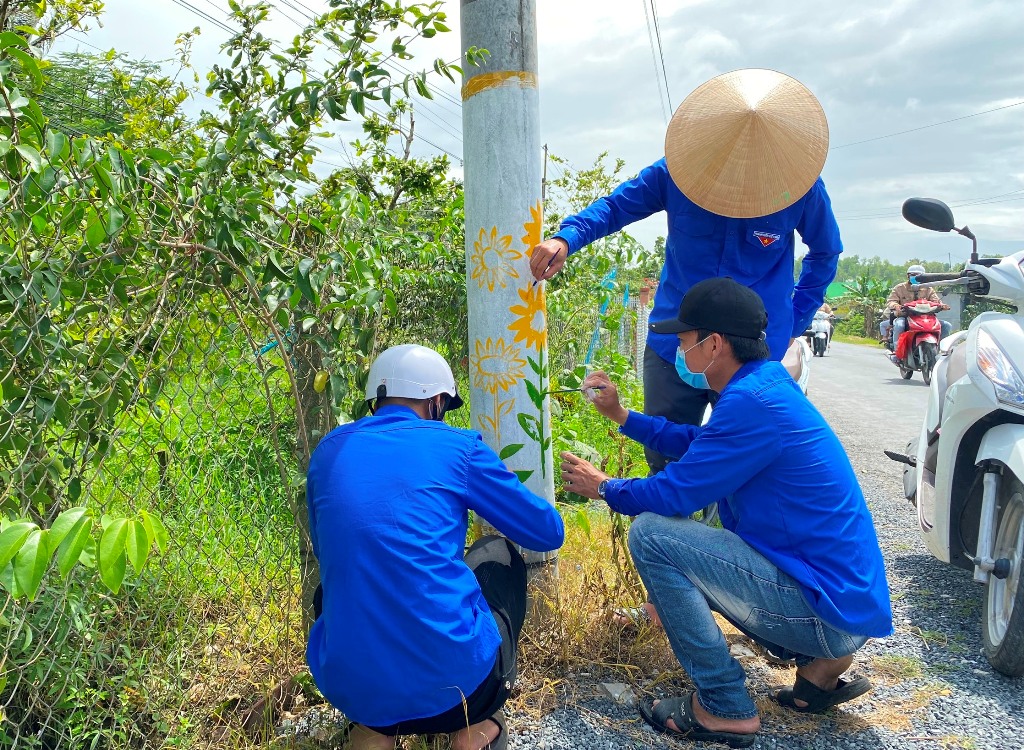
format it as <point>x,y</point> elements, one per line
<point>486,81</point>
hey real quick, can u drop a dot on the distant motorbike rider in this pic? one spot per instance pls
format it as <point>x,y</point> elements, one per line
<point>904,294</point>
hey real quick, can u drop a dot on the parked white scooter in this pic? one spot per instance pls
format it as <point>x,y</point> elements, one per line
<point>965,472</point>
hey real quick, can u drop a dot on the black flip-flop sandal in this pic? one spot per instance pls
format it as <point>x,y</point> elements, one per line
<point>818,700</point>
<point>680,710</point>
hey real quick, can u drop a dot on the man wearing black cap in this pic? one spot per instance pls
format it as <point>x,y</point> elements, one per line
<point>796,566</point>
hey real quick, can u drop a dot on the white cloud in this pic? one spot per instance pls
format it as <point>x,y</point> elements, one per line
<point>878,66</point>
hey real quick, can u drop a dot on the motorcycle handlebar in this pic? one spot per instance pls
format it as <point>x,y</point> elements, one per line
<point>925,278</point>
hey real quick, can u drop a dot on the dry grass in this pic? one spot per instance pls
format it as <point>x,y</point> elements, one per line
<point>570,644</point>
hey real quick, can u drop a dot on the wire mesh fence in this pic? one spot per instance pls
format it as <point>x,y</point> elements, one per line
<point>189,419</point>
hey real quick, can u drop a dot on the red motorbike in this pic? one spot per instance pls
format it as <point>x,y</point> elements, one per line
<point>917,349</point>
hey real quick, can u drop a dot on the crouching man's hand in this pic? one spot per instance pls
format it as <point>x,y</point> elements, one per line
<point>605,397</point>
<point>580,476</point>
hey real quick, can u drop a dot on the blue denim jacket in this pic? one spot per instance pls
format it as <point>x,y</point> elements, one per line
<point>700,245</point>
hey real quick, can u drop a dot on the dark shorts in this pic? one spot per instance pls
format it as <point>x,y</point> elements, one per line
<point>501,573</point>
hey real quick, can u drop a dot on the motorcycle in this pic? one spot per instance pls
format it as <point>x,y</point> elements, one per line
<point>819,335</point>
<point>918,347</point>
<point>965,471</point>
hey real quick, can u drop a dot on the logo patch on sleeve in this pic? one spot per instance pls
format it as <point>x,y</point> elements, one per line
<point>767,238</point>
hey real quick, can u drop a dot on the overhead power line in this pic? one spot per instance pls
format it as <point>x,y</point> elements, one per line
<point>654,58</point>
<point>925,127</point>
<point>661,53</point>
<point>891,213</point>
<point>231,30</point>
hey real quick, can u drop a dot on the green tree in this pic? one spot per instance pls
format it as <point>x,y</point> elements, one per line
<point>91,94</point>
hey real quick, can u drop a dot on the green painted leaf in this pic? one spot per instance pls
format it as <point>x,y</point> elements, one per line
<point>524,475</point>
<point>112,558</point>
<point>510,450</point>
<point>31,562</point>
<point>529,424</point>
<point>138,544</point>
<point>12,539</point>
<point>156,530</point>
<point>70,550</point>
<point>535,395</point>
<point>63,524</point>
<point>535,366</point>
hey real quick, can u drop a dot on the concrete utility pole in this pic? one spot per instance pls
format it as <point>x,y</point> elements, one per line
<point>508,346</point>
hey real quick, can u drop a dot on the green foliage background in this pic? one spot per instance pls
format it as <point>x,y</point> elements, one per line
<point>185,310</point>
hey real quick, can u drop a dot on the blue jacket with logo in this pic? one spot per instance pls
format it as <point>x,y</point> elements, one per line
<point>782,482</point>
<point>758,253</point>
<point>405,631</point>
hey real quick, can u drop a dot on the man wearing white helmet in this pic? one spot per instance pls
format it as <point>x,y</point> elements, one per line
<point>905,293</point>
<point>412,636</point>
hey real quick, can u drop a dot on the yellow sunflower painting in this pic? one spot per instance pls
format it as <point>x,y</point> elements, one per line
<point>533,229</point>
<point>496,366</point>
<point>530,325</point>
<point>492,260</point>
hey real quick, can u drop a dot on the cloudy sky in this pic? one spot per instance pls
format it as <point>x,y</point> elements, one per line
<point>879,67</point>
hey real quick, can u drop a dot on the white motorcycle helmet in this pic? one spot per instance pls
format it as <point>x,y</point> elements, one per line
<point>411,371</point>
<point>915,269</point>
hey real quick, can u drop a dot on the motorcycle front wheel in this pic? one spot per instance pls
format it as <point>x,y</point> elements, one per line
<point>1003,615</point>
<point>927,354</point>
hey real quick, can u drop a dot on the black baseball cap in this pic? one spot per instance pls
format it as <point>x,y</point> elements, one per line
<point>719,305</point>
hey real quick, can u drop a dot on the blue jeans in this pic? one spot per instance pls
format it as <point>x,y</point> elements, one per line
<point>691,570</point>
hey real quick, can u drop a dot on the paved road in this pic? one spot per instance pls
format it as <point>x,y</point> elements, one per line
<point>860,384</point>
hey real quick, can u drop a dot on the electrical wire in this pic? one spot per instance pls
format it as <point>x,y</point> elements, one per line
<point>661,53</point>
<point>896,215</point>
<point>925,127</point>
<point>654,58</point>
<point>202,14</point>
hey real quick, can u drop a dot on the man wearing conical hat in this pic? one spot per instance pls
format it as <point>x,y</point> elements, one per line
<point>743,155</point>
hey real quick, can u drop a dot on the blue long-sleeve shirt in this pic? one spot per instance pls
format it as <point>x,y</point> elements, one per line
<point>405,631</point>
<point>758,253</point>
<point>782,482</point>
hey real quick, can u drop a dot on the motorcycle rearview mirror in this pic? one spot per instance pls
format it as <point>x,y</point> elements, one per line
<point>928,213</point>
<point>933,214</point>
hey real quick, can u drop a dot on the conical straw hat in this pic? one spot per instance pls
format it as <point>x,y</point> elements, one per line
<point>747,143</point>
